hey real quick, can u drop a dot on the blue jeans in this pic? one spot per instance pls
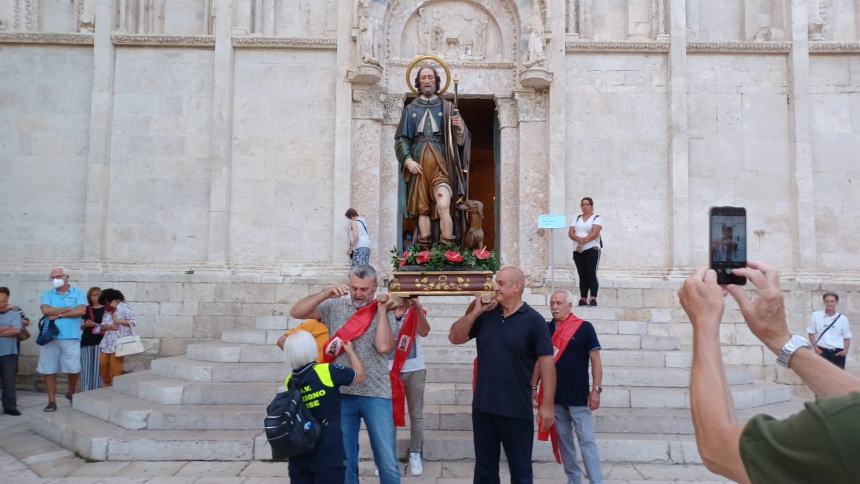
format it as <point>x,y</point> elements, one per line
<point>579,418</point>
<point>378,417</point>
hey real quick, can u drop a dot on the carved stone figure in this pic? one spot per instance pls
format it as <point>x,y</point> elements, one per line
<point>366,44</point>
<point>85,16</point>
<point>820,26</point>
<point>458,33</point>
<point>535,53</point>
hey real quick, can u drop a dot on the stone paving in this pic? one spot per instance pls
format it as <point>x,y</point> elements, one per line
<point>29,458</point>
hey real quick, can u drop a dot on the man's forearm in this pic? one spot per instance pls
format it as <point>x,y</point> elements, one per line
<point>423,325</point>
<point>306,307</point>
<point>846,345</point>
<point>547,379</point>
<point>460,330</point>
<point>712,409</point>
<point>8,331</point>
<point>383,337</point>
<point>596,369</point>
<point>825,379</point>
<point>53,311</point>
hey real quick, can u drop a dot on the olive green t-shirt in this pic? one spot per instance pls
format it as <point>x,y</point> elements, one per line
<point>819,444</point>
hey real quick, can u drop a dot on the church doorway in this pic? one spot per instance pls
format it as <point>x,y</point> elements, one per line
<point>480,117</point>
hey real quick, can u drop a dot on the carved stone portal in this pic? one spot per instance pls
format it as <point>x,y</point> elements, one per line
<point>454,31</point>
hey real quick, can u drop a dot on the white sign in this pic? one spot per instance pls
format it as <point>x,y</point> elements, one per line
<point>551,221</point>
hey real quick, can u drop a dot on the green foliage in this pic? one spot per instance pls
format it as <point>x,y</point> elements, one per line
<point>409,259</point>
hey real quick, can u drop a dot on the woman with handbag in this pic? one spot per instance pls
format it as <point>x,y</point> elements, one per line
<point>91,337</point>
<point>117,322</point>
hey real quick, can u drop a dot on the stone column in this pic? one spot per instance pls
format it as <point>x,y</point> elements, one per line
<point>533,200</point>
<point>800,117</point>
<point>389,170</point>
<point>367,111</point>
<point>679,159</point>
<point>509,192</point>
<point>342,170</point>
<point>557,175</point>
<point>99,136</point>
<point>222,135</point>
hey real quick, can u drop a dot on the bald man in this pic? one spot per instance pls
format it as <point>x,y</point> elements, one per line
<point>511,338</point>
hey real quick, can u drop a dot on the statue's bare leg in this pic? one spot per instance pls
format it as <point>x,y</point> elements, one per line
<point>424,229</point>
<point>443,208</point>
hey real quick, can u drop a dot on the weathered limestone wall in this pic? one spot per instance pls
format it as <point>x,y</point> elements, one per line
<point>158,190</point>
<point>45,106</point>
<point>739,150</point>
<point>835,97</point>
<point>617,151</point>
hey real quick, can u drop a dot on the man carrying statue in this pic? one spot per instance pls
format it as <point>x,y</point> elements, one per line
<point>432,145</point>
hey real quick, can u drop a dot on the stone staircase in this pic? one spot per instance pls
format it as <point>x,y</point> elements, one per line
<point>209,404</point>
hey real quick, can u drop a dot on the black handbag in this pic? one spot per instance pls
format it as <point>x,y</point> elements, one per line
<point>48,330</point>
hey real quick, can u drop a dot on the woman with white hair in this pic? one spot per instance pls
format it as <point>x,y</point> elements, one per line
<point>320,384</point>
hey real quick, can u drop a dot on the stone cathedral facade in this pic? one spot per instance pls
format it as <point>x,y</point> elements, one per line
<point>199,155</point>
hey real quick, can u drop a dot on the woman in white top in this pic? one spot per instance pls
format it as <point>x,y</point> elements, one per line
<point>359,239</point>
<point>585,233</point>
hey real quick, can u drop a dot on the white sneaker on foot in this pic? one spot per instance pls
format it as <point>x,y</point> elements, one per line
<point>416,468</point>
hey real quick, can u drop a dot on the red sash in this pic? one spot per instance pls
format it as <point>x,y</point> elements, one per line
<point>563,334</point>
<point>355,326</point>
<point>402,348</point>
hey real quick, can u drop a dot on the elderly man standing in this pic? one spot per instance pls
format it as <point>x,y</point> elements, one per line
<point>356,320</point>
<point>576,343</point>
<point>511,338</point>
<point>64,305</point>
<point>10,328</point>
<point>830,332</point>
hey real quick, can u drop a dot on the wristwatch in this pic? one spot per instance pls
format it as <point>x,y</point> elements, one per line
<point>598,388</point>
<point>795,343</point>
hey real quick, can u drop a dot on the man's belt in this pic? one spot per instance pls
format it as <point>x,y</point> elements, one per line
<point>428,139</point>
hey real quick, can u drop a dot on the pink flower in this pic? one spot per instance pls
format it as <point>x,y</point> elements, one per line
<point>453,256</point>
<point>482,253</point>
<point>422,257</point>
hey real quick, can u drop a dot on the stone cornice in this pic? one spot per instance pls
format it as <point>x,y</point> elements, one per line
<point>834,47</point>
<point>461,64</point>
<point>730,47</point>
<point>45,38</point>
<point>152,40</point>
<point>615,46</point>
<point>261,42</point>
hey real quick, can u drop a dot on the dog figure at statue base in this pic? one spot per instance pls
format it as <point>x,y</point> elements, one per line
<point>474,236</point>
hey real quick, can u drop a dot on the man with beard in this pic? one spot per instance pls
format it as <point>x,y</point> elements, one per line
<point>432,145</point>
<point>356,320</point>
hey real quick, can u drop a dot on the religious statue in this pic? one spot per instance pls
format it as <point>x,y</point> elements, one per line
<point>536,31</point>
<point>432,145</point>
<point>365,35</point>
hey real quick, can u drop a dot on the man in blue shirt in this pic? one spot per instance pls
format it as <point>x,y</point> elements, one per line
<point>511,338</point>
<point>64,305</point>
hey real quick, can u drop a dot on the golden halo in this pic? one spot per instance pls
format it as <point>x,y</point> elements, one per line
<point>439,61</point>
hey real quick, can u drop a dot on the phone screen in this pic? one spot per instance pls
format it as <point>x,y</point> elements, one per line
<point>728,243</point>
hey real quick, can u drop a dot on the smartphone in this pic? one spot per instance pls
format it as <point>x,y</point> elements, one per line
<point>728,243</point>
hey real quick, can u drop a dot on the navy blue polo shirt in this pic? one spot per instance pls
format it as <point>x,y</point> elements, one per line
<point>507,352</point>
<point>571,370</point>
<point>324,403</point>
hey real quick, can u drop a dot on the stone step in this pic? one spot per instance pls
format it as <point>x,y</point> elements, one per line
<point>165,391</point>
<point>235,353</point>
<point>184,368</point>
<point>96,439</point>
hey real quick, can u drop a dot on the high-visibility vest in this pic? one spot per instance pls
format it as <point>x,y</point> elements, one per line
<point>323,372</point>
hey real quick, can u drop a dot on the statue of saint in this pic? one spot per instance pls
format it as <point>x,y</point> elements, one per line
<point>432,145</point>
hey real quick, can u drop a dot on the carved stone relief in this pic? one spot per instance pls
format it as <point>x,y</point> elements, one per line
<point>85,12</point>
<point>506,108</point>
<point>368,103</point>
<point>367,27</point>
<point>535,55</point>
<point>764,20</point>
<point>141,16</point>
<point>392,107</point>
<point>820,20</point>
<point>26,16</point>
<point>458,30</point>
<point>576,16</point>
<point>532,105</point>
<point>453,31</point>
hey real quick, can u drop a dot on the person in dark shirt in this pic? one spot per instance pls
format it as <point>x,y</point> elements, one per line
<point>511,338</point>
<point>320,385</point>
<point>576,340</point>
<point>90,378</point>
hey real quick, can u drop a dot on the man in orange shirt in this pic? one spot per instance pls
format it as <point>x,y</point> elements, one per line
<point>318,330</point>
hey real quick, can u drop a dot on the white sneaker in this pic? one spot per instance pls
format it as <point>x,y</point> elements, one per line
<point>416,468</point>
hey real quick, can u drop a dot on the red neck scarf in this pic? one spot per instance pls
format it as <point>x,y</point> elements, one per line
<point>563,334</point>
<point>354,328</point>
<point>402,348</point>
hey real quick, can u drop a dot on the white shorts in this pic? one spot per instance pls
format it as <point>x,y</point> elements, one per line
<point>60,356</point>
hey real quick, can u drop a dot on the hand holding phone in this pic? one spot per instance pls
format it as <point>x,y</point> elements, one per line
<point>728,243</point>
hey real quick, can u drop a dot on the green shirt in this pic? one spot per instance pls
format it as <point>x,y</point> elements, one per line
<point>819,444</point>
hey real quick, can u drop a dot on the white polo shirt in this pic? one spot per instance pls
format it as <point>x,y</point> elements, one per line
<point>834,337</point>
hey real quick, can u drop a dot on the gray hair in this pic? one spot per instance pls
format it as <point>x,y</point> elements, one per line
<point>363,271</point>
<point>300,348</point>
<point>568,296</point>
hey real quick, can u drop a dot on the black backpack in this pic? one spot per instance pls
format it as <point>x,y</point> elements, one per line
<point>291,429</point>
